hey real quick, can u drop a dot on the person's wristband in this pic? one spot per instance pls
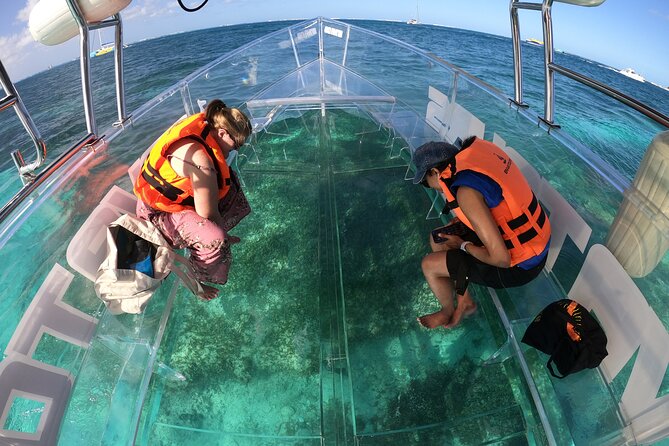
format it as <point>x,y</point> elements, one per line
<point>464,244</point>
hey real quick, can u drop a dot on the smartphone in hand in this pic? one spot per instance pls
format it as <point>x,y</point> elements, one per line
<point>458,228</point>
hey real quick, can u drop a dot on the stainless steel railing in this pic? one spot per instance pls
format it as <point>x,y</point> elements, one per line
<point>12,99</point>
<point>550,68</point>
<point>85,63</point>
<point>39,179</point>
<point>27,171</point>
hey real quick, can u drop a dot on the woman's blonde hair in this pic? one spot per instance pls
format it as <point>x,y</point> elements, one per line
<point>233,120</point>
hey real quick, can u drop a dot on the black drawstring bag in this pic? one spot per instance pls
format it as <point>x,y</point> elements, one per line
<point>572,337</point>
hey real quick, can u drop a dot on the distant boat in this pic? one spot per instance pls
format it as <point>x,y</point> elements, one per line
<point>104,47</point>
<point>536,42</point>
<point>416,20</point>
<point>629,72</point>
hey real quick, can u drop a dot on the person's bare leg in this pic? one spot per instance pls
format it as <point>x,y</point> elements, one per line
<point>437,276</point>
<point>466,307</point>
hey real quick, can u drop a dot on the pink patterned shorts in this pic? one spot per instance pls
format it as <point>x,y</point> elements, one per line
<point>208,243</point>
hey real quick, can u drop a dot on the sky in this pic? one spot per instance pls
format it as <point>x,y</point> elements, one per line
<point>618,33</point>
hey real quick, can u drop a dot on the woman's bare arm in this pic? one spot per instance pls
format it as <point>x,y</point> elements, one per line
<point>493,251</point>
<point>200,169</point>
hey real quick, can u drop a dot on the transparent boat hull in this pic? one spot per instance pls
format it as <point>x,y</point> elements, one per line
<point>314,338</point>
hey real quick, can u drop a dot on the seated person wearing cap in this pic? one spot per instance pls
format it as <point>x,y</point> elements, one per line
<point>508,231</point>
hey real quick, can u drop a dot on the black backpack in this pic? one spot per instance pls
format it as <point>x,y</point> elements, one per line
<point>572,337</point>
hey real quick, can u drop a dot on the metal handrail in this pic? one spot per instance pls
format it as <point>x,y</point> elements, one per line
<point>28,177</point>
<point>615,94</point>
<point>14,100</point>
<point>85,63</point>
<point>41,178</point>
<point>550,67</point>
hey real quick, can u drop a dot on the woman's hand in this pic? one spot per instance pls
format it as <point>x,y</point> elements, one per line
<point>450,242</point>
<point>453,241</point>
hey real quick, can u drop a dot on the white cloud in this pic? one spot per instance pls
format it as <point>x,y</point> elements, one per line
<point>149,9</point>
<point>15,48</point>
<point>24,13</point>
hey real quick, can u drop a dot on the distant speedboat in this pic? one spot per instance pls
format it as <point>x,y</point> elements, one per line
<point>536,42</point>
<point>629,72</point>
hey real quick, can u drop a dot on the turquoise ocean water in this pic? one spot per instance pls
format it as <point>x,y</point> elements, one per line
<point>53,97</point>
<point>266,363</point>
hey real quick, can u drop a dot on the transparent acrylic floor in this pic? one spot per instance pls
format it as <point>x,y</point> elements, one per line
<point>314,338</point>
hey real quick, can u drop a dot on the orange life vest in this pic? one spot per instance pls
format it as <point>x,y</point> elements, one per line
<point>521,219</point>
<point>160,187</point>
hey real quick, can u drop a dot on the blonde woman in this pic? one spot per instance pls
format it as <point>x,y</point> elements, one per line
<point>187,190</point>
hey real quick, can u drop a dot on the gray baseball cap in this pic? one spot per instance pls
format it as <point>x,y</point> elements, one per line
<point>429,155</point>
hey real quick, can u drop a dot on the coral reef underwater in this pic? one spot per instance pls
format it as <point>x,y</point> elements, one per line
<point>317,321</point>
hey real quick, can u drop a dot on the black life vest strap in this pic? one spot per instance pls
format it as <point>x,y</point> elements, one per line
<point>450,205</point>
<point>522,238</point>
<point>167,190</point>
<point>453,204</point>
<point>520,221</point>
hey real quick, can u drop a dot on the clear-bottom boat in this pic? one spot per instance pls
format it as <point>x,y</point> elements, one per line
<point>314,339</point>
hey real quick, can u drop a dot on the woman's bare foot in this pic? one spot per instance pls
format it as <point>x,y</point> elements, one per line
<point>466,307</point>
<point>209,292</point>
<point>435,320</point>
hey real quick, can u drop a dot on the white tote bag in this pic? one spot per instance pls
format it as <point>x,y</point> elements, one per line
<point>138,260</point>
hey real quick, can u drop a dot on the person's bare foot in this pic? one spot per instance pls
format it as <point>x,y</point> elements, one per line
<point>209,292</point>
<point>435,320</point>
<point>466,307</point>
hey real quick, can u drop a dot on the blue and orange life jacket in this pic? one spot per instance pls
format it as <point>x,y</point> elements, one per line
<point>160,187</point>
<point>521,220</point>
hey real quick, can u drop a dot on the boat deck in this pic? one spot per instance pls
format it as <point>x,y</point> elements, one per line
<point>314,339</point>
<point>315,335</point>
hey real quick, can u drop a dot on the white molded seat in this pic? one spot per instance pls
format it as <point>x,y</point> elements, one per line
<point>461,123</point>
<point>87,248</point>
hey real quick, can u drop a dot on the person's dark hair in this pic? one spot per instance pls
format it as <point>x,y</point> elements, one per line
<point>215,107</point>
<point>468,142</point>
<point>443,165</point>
